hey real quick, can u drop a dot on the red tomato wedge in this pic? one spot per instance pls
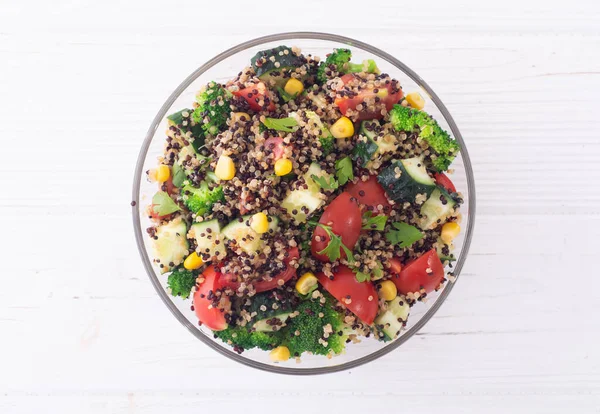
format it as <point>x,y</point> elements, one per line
<point>359,297</point>
<point>426,272</point>
<point>254,94</point>
<point>395,266</point>
<point>210,315</point>
<point>262,286</point>
<point>369,193</point>
<point>275,145</point>
<point>344,218</point>
<point>286,275</point>
<point>384,93</point>
<point>442,180</point>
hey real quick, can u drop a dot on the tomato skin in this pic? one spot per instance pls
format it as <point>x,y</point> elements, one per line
<point>344,283</point>
<point>212,317</point>
<point>369,193</point>
<point>413,277</point>
<point>395,266</point>
<point>288,273</point>
<point>285,275</point>
<point>346,221</point>
<point>275,145</point>
<point>442,180</point>
<point>344,104</point>
<point>251,97</point>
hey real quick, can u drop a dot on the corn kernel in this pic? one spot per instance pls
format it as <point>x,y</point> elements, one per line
<point>240,117</point>
<point>294,87</point>
<point>306,283</point>
<point>388,290</point>
<point>449,232</point>
<point>260,223</point>
<point>163,172</point>
<point>281,353</point>
<point>415,100</point>
<point>283,166</point>
<point>193,261</point>
<point>343,128</point>
<point>225,169</point>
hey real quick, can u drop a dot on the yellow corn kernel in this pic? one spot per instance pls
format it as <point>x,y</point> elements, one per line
<point>306,283</point>
<point>193,262</point>
<point>283,166</point>
<point>294,87</point>
<point>449,232</point>
<point>343,128</point>
<point>260,223</point>
<point>225,169</point>
<point>388,290</point>
<point>240,117</point>
<point>415,100</point>
<point>281,353</point>
<point>163,172</point>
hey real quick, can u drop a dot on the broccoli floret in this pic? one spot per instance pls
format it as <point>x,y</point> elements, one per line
<point>200,200</point>
<point>339,61</point>
<point>181,282</point>
<point>242,338</point>
<point>213,108</point>
<point>314,321</point>
<point>327,144</point>
<point>412,120</point>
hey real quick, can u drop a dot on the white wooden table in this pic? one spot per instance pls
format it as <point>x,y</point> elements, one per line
<point>81,328</point>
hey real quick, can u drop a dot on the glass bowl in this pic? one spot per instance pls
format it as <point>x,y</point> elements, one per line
<point>225,66</point>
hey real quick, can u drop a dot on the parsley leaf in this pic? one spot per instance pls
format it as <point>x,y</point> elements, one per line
<point>283,124</point>
<point>322,182</point>
<point>372,274</point>
<point>364,151</point>
<point>332,251</point>
<point>343,170</point>
<point>374,222</point>
<point>178,175</point>
<point>163,204</point>
<point>404,235</point>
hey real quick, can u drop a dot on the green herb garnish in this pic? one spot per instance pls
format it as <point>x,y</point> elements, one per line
<point>322,182</point>
<point>374,222</point>
<point>286,96</point>
<point>332,251</point>
<point>178,175</point>
<point>283,124</point>
<point>404,235</point>
<point>163,204</point>
<point>343,170</point>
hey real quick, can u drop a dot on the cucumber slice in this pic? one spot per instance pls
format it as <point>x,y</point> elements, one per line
<point>267,325</point>
<point>413,180</point>
<point>170,246</point>
<point>297,199</point>
<point>210,241</point>
<point>390,321</point>
<point>245,238</point>
<point>439,206</point>
<point>415,167</point>
<point>271,63</point>
<point>309,198</point>
<point>369,129</point>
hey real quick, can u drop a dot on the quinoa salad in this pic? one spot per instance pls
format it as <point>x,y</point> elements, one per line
<point>304,205</point>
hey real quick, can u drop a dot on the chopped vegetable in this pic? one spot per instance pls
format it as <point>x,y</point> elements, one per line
<point>283,124</point>
<point>404,235</point>
<point>163,204</point>
<point>181,282</point>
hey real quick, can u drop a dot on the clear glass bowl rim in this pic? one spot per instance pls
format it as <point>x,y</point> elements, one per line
<point>139,234</point>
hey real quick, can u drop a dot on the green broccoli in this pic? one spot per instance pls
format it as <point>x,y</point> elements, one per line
<point>200,200</point>
<point>410,120</point>
<point>181,282</point>
<point>241,337</point>
<point>340,60</point>
<point>213,108</point>
<point>312,323</point>
<point>327,144</point>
